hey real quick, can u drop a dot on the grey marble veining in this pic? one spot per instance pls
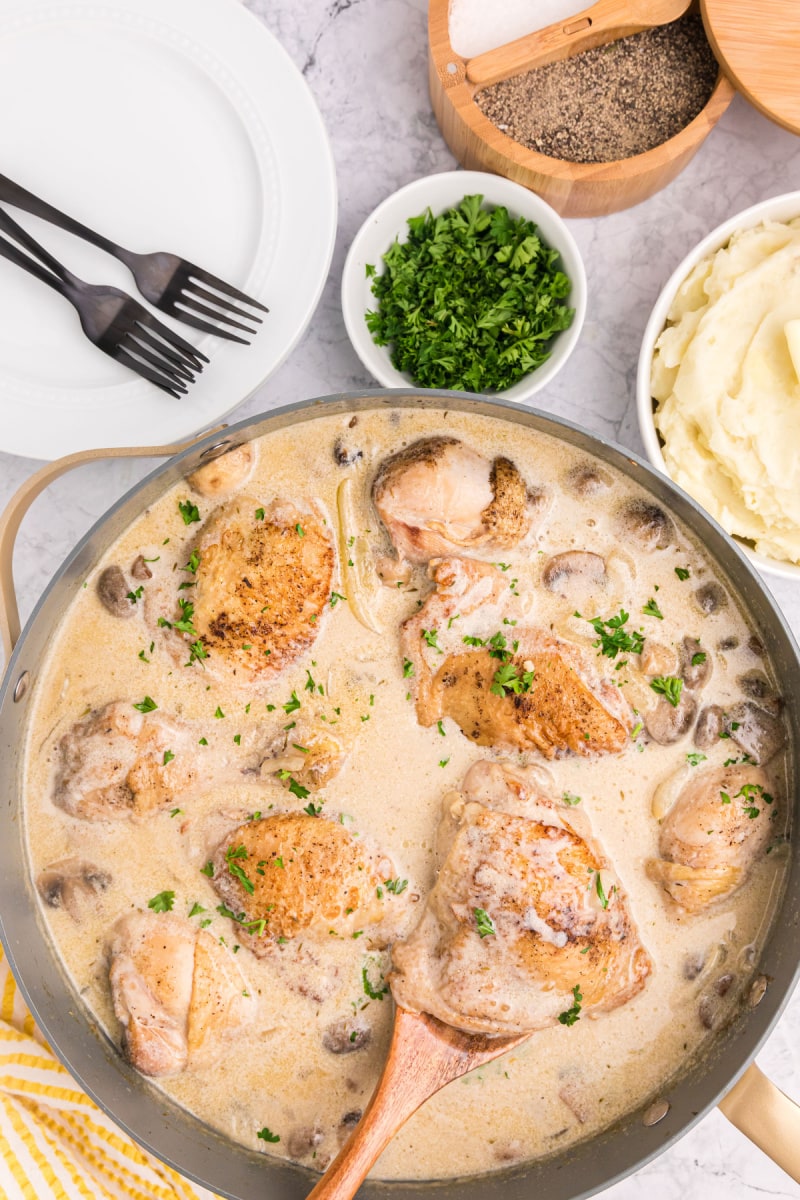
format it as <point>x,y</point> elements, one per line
<point>365,62</point>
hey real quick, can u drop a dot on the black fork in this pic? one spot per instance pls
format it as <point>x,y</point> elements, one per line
<point>172,284</point>
<point>117,324</point>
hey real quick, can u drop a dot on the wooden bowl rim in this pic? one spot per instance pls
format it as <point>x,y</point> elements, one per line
<point>560,168</point>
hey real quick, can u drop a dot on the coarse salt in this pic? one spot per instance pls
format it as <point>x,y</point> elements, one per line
<point>477,26</point>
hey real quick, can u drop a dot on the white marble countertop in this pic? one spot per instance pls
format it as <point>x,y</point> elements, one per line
<point>365,61</point>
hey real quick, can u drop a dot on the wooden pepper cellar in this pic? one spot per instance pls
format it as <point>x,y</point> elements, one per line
<point>758,46</point>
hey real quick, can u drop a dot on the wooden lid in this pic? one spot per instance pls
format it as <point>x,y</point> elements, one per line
<point>757,43</point>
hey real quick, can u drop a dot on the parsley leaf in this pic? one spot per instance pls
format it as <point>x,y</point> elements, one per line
<point>669,686</point>
<point>484,923</point>
<point>163,902</point>
<point>190,512</point>
<point>471,300</point>
<point>572,1014</point>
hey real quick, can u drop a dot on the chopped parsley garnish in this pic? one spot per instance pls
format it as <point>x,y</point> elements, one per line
<point>408,668</point>
<point>208,870</point>
<point>146,705</point>
<point>682,573</point>
<point>299,530</point>
<point>637,729</point>
<point>508,678</point>
<point>371,991</point>
<point>651,609</point>
<point>598,887</point>
<point>668,686</point>
<point>297,789</point>
<point>190,512</point>
<point>429,636</point>
<point>572,1014</point>
<point>725,798</point>
<point>193,563</point>
<point>312,809</point>
<point>571,799</point>
<point>260,514</point>
<point>219,714</point>
<point>134,596</point>
<point>484,923</point>
<point>613,638</point>
<point>176,812</point>
<point>443,762</point>
<point>335,598</point>
<point>698,659</point>
<point>695,758</point>
<point>163,902</point>
<point>395,885</point>
<point>168,757</point>
<point>196,909</point>
<point>267,1135</point>
<point>473,641</point>
<point>203,742</point>
<point>291,705</point>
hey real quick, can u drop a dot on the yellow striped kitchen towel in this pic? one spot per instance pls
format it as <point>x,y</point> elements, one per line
<point>55,1143</point>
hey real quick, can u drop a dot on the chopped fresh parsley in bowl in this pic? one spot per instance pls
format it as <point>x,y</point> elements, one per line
<point>464,281</point>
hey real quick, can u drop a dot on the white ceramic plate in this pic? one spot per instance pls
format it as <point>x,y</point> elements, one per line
<point>778,208</point>
<point>438,192</point>
<point>178,125</point>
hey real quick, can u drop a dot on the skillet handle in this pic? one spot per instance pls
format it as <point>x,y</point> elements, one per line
<point>766,1115</point>
<point>21,501</point>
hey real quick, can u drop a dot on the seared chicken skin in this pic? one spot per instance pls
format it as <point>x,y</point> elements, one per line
<point>262,583</point>
<point>476,658</point>
<point>120,764</point>
<point>526,920</point>
<point>177,993</point>
<point>294,874</point>
<point>112,764</point>
<point>710,838</point>
<point>438,496</point>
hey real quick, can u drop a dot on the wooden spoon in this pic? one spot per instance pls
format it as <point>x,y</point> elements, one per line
<point>603,22</point>
<point>424,1055</point>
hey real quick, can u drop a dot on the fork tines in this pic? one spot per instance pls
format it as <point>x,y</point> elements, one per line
<point>205,302</point>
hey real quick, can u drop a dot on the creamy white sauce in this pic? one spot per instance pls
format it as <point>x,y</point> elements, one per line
<point>390,790</point>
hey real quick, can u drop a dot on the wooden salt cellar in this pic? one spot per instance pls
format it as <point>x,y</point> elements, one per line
<point>573,189</point>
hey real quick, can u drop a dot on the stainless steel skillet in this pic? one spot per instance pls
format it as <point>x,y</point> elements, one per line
<point>200,1153</point>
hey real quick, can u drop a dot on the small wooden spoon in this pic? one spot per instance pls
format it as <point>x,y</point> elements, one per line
<point>424,1055</point>
<point>603,22</point>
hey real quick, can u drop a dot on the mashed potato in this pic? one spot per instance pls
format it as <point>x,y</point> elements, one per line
<point>726,379</point>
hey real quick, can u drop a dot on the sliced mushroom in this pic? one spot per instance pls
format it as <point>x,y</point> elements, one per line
<point>693,965</point>
<point>320,759</point>
<point>345,453</point>
<point>710,727</point>
<point>711,598</point>
<point>577,1099</point>
<point>303,1141</point>
<point>646,524</point>
<point>755,685</point>
<point>226,473</point>
<point>667,723</point>
<point>351,1119</point>
<point>72,884</point>
<point>113,589</point>
<point>140,569</point>
<point>346,1036</point>
<point>657,659</point>
<point>587,479</point>
<point>730,642</point>
<point>756,731</point>
<point>696,664</point>
<point>573,572</point>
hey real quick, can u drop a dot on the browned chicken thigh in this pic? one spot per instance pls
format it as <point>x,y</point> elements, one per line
<point>177,993</point>
<point>711,837</point>
<point>527,924</point>
<point>295,874</point>
<point>439,496</point>
<point>477,659</point>
<point>261,585</point>
<point>119,763</point>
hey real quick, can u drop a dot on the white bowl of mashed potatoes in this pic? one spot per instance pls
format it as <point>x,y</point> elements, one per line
<point>718,380</point>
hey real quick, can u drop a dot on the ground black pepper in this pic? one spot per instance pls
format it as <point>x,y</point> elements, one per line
<point>611,102</point>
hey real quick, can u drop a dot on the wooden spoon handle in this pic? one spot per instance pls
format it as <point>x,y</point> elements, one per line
<point>423,1056</point>
<point>602,22</point>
